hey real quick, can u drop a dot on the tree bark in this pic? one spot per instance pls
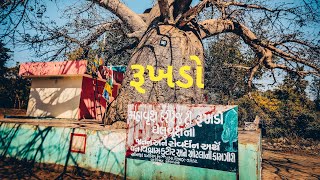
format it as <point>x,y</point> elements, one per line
<point>180,46</point>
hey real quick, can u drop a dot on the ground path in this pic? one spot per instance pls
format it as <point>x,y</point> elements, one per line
<point>280,165</point>
<point>276,165</point>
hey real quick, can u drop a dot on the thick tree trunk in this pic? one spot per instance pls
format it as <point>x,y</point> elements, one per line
<point>180,46</point>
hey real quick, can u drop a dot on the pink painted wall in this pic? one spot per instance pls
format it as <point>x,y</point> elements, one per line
<point>53,68</point>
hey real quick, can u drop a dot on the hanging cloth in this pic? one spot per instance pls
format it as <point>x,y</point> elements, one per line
<point>107,92</point>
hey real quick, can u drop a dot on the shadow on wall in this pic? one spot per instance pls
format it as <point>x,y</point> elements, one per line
<point>54,102</point>
<point>87,104</point>
<point>51,145</point>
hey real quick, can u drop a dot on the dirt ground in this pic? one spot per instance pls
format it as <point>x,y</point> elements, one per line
<point>282,165</point>
<point>14,169</point>
<point>275,165</point>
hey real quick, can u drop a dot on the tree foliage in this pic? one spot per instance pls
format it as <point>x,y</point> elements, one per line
<point>4,57</point>
<point>315,91</point>
<point>287,111</point>
<point>224,82</point>
<point>14,90</point>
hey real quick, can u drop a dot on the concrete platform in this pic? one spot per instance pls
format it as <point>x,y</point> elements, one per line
<point>69,123</point>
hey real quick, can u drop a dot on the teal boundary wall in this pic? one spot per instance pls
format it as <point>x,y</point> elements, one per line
<point>105,151</point>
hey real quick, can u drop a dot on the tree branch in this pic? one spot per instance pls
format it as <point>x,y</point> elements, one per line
<point>99,31</point>
<point>251,6</point>
<point>180,7</point>
<point>213,27</point>
<point>133,20</point>
<point>253,71</point>
<point>191,13</point>
<point>237,66</point>
<point>122,49</point>
<point>154,13</point>
<point>264,50</point>
<point>297,41</point>
<point>287,56</point>
<point>165,11</point>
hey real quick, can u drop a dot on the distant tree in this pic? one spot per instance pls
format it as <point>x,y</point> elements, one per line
<point>297,111</point>
<point>287,111</point>
<point>14,90</point>
<point>4,58</point>
<point>225,73</point>
<point>315,91</point>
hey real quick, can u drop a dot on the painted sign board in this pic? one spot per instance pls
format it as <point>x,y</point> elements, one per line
<point>204,136</point>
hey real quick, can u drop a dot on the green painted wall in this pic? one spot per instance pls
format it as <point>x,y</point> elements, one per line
<point>139,169</point>
<point>250,155</point>
<point>105,151</point>
<point>51,145</point>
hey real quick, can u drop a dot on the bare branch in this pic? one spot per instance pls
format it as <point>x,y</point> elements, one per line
<point>191,14</point>
<point>237,66</point>
<point>288,56</point>
<point>133,20</point>
<point>56,55</point>
<point>180,7</point>
<point>122,49</point>
<point>13,8</point>
<point>136,34</point>
<point>253,71</point>
<point>266,49</point>
<point>12,30</point>
<point>297,41</point>
<point>213,27</point>
<point>60,34</point>
<point>251,6</point>
<point>99,31</point>
<point>165,11</point>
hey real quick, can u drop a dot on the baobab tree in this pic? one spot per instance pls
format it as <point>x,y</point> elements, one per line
<point>172,31</point>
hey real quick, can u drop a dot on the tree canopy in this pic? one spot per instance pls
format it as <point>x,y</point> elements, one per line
<point>14,90</point>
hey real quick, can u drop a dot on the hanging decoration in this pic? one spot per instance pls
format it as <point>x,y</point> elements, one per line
<point>107,92</point>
